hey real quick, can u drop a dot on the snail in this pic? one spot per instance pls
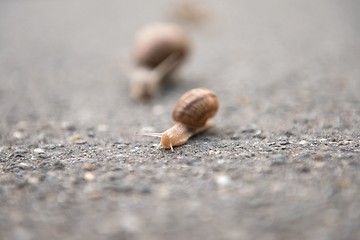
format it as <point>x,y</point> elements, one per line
<point>159,50</point>
<point>193,13</point>
<point>192,114</point>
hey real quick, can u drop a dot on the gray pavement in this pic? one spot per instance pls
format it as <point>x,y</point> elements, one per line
<point>281,162</point>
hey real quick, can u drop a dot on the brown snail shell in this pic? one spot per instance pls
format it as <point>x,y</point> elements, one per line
<point>195,107</point>
<point>156,42</point>
<point>192,114</point>
<point>159,50</point>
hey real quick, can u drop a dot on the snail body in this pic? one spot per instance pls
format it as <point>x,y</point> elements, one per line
<point>179,134</point>
<point>159,49</point>
<point>192,114</point>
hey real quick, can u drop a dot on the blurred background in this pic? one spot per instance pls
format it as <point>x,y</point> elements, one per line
<point>281,162</point>
<point>67,60</point>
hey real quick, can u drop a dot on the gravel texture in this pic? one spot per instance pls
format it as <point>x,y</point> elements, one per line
<point>281,162</point>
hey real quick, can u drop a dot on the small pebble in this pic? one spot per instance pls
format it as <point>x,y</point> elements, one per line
<point>88,167</point>
<point>136,149</point>
<point>23,166</point>
<point>121,142</point>
<point>221,161</point>
<point>222,180</point>
<point>89,176</point>
<point>18,135</point>
<point>303,142</point>
<point>68,126</point>
<point>74,138</point>
<point>284,142</point>
<point>33,180</point>
<point>214,152</point>
<point>38,150</point>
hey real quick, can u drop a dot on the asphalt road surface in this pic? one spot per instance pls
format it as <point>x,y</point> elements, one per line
<point>282,160</point>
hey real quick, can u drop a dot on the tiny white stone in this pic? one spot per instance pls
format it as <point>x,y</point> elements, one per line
<point>303,142</point>
<point>18,135</point>
<point>24,165</point>
<point>220,161</point>
<point>33,180</point>
<point>222,180</point>
<point>67,126</point>
<point>38,150</point>
<point>214,152</point>
<point>88,176</point>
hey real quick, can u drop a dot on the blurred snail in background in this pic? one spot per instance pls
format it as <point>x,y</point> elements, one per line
<point>192,13</point>
<point>192,114</point>
<point>159,49</point>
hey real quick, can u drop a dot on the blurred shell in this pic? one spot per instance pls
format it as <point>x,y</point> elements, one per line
<point>195,107</point>
<point>155,42</point>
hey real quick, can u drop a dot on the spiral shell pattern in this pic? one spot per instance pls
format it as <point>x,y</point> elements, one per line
<point>196,107</point>
<point>156,42</point>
